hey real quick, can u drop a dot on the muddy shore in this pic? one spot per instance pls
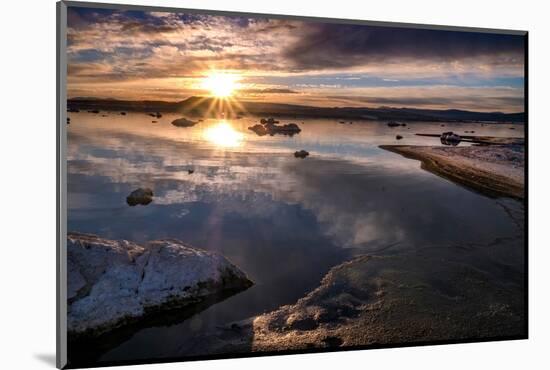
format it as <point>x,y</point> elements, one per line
<point>388,300</point>
<point>496,170</point>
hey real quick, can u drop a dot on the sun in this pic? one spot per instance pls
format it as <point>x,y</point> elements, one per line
<point>221,85</point>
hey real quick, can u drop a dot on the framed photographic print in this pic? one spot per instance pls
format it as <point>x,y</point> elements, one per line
<point>234,184</point>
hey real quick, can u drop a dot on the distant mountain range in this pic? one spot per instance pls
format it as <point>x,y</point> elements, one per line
<point>198,106</point>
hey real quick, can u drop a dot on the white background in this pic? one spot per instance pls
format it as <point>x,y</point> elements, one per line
<point>27,231</point>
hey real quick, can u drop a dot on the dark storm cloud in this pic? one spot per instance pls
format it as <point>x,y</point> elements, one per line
<point>336,46</point>
<point>140,27</point>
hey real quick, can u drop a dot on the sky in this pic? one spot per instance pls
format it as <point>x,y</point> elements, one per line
<point>138,55</point>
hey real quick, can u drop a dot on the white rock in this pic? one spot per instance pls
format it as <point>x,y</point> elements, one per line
<point>114,282</point>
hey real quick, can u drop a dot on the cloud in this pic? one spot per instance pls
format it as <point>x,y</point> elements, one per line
<point>486,99</point>
<point>160,55</point>
<point>325,45</point>
<point>439,102</point>
<point>272,90</point>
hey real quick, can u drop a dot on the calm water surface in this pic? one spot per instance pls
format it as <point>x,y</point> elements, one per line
<point>284,221</point>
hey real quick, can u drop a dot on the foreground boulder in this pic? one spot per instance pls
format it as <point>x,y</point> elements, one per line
<point>112,283</point>
<point>141,196</point>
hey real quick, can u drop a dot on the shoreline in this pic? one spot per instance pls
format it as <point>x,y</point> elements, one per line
<point>382,300</point>
<point>495,171</point>
<point>200,106</point>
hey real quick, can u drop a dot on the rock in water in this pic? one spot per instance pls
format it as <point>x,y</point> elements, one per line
<point>260,130</point>
<point>398,137</point>
<point>112,283</point>
<point>141,196</point>
<point>450,138</point>
<point>272,129</point>
<point>301,154</point>
<point>183,122</point>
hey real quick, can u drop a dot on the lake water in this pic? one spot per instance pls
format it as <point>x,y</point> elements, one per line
<point>285,221</point>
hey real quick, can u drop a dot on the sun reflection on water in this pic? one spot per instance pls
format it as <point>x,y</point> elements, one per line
<point>222,134</point>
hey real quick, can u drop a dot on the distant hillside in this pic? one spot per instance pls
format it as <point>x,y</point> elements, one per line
<point>197,106</point>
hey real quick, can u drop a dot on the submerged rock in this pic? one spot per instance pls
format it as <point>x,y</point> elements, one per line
<point>112,283</point>
<point>183,122</point>
<point>393,124</point>
<point>141,196</point>
<point>382,296</point>
<point>301,154</point>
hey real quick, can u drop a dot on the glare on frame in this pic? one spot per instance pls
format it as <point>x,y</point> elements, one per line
<point>223,135</point>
